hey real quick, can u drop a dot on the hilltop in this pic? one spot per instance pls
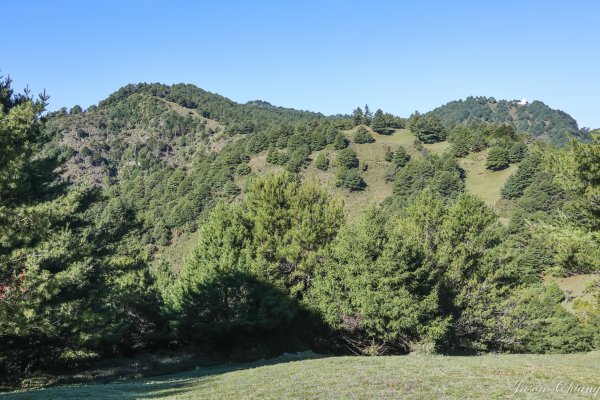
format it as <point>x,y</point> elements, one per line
<point>535,118</point>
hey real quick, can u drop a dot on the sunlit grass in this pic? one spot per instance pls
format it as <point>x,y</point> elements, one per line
<point>405,377</point>
<point>481,181</point>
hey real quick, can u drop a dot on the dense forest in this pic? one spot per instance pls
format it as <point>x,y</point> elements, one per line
<point>93,204</point>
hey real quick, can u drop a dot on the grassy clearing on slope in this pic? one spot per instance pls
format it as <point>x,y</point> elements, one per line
<point>575,288</point>
<point>481,181</point>
<point>377,188</point>
<point>400,137</point>
<point>406,377</point>
<point>178,250</point>
<point>437,148</point>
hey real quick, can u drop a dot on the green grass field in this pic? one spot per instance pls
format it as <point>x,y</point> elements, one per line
<point>481,181</point>
<point>574,376</point>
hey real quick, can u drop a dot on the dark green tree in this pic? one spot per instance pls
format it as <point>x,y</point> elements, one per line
<point>517,152</point>
<point>367,116</point>
<point>389,155</point>
<point>497,158</point>
<point>322,162</point>
<point>253,261</point>
<point>243,169</point>
<point>378,124</point>
<point>349,179</point>
<point>428,128</point>
<point>340,141</point>
<point>401,157</point>
<point>362,135</point>
<point>347,159</point>
<point>519,181</point>
<point>358,116</point>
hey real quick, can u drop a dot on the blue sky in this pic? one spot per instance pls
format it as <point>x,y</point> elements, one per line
<point>327,56</point>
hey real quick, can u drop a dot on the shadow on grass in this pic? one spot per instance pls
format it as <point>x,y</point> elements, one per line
<point>155,387</point>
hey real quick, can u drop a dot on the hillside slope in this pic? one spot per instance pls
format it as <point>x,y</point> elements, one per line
<point>573,376</point>
<point>146,125</point>
<point>479,180</point>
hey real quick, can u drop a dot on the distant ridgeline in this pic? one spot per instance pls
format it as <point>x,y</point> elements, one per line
<point>211,105</point>
<point>535,118</point>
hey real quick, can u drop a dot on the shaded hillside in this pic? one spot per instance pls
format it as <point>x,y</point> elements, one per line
<point>535,118</point>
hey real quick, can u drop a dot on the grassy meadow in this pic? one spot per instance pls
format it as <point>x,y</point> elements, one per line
<point>573,376</point>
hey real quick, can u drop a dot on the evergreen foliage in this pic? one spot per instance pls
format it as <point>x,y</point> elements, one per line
<point>322,162</point>
<point>497,158</point>
<point>535,118</point>
<point>349,179</point>
<point>428,128</point>
<point>362,135</point>
<point>340,142</point>
<point>347,159</point>
<point>525,175</point>
<point>91,200</point>
<point>253,262</point>
<point>71,278</point>
<point>400,157</point>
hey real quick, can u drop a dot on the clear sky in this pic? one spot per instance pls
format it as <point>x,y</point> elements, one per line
<point>327,56</point>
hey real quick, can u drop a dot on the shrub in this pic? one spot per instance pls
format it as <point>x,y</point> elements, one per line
<point>349,179</point>
<point>322,162</point>
<point>243,169</point>
<point>497,158</point>
<point>362,135</point>
<point>347,159</point>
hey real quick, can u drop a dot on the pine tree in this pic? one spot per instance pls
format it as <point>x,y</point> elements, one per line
<point>272,155</point>
<point>340,142</point>
<point>357,116</point>
<point>389,155</point>
<point>347,159</point>
<point>362,135</point>
<point>517,152</point>
<point>322,162</point>
<point>70,280</point>
<point>349,179</point>
<point>401,158</point>
<point>428,128</point>
<point>385,282</point>
<point>497,158</point>
<point>253,261</point>
<point>367,116</point>
<point>318,142</point>
<point>378,124</point>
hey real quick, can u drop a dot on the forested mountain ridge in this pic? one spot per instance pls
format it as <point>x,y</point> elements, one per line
<point>145,124</point>
<point>535,118</point>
